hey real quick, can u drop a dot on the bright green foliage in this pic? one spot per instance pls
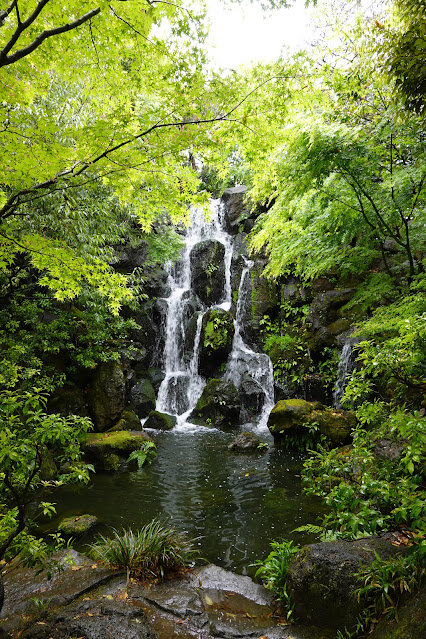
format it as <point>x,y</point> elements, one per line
<point>367,491</point>
<point>146,453</point>
<point>273,571</point>
<point>149,552</point>
<point>29,440</point>
<point>393,356</point>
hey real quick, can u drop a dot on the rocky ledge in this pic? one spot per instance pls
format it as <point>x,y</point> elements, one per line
<point>86,600</point>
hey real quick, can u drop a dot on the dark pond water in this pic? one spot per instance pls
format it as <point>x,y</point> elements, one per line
<point>235,503</point>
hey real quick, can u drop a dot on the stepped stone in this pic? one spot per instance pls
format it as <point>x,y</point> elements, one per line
<point>160,421</point>
<point>142,398</point>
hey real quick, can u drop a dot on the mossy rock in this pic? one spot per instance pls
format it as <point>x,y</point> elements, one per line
<point>297,417</point>
<point>290,414</point>
<point>219,405</point>
<point>160,421</point>
<point>321,579</point>
<point>78,525</point>
<point>108,451</point>
<point>48,468</point>
<point>335,424</point>
<point>128,421</point>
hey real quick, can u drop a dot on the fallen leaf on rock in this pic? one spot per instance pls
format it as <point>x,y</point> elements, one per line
<point>208,601</point>
<point>75,568</point>
<point>94,566</point>
<point>179,621</point>
<point>41,623</point>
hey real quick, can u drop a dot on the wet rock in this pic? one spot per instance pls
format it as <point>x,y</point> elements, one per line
<point>142,398</point>
<point>247,442</point>
<point>107,395</point>
<point>109,451</point>
<point>78,525</point>
<point>235,208</point>
<point>295,417</point>
<point>411,622</point>
<point>208,271</point>
<point>251,394</point>
<point>295,293</point>
<point>160,421</point>
<point>23,585</point>
<point>95,620</point>
<point>388,449</point>
<point>217,332</point>
<point>264,299</point>
<point>218,406</point>
<point>321,579</point>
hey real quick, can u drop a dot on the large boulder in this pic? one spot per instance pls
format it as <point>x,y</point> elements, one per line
<point>160,421</point>
<point>142,398</point>
<point>109,451</point>
<point>218,406</point>
<point>107,395</point>
<point>321,579</point>
<point>208,271</point>
<point>292,419</point>
<point>217,332</point>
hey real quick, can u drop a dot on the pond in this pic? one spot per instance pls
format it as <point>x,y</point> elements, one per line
<point>234,504</point>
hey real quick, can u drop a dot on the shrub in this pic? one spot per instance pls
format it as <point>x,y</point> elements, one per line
<point>273,571</point>
<point>149,552</point>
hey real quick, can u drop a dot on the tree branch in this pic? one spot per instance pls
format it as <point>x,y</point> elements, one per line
<point>5,59</point>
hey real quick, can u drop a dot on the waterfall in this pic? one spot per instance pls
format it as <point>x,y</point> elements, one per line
<point>183,385</point>
<point>243,360</point>
<point>344,369</point>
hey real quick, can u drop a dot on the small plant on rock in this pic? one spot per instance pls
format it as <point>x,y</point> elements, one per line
<point>273,571</point>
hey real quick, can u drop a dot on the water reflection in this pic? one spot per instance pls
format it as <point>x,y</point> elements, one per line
<point>236,504</point>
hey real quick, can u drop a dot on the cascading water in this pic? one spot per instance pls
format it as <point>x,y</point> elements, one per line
<point>243,360</point>
<point>182,385</point>
<point>344,369</point>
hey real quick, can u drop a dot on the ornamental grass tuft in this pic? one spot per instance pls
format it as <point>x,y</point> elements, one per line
<point>149,552</point>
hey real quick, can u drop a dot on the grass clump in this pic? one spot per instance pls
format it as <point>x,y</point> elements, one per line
<point>150,552</point>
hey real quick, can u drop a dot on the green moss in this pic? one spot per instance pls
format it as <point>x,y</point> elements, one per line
<point>78,525</point>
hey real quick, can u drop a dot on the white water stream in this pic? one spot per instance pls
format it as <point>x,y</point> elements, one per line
<point>182,385</point>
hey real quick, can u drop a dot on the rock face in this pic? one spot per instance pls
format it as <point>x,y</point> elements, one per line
<point>292,417</point>
<point>208,271</point>
<point>142,398</point>
<point>217,332</point>
<point>109,451</point>
<point>321,581</point>
<point>235,209</point>
<point>68,400</point>
<point>107,395</point>
<point>411,622</point>
<point>160,421</point>
<point>219,405</point>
